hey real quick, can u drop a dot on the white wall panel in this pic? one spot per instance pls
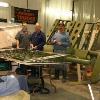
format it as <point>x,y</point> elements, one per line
<point>18,3</point>
<point>4,13</point>
<point>32,4</point>
<point>55,9</point>
<point>97,9</point>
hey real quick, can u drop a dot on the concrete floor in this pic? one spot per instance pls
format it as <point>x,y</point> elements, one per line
<point>68,91</point>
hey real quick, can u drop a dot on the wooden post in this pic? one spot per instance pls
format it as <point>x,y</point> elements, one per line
<point>79,72</point>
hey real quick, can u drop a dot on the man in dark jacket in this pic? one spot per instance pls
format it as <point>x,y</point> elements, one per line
<point>38,38</point>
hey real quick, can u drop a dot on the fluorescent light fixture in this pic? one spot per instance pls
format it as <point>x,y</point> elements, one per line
<point>4,4</point>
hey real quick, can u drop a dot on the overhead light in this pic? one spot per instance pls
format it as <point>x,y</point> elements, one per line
<point>4,4</point>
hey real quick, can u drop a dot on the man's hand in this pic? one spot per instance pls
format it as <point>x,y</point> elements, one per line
<point>59,43</point>
<point>35,47</point>
<point>31,46</point>
<point>54,41</point>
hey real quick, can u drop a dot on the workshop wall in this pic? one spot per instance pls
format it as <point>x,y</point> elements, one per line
<point>32,4</point>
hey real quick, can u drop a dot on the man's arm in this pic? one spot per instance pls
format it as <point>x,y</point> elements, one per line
<point>53,39</point>
<point>17,37</point>
<point>30,38</point>
<point>17,41</point>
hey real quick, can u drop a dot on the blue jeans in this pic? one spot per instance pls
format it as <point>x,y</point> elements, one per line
<point>60,69</point>
<point>22,82</point>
